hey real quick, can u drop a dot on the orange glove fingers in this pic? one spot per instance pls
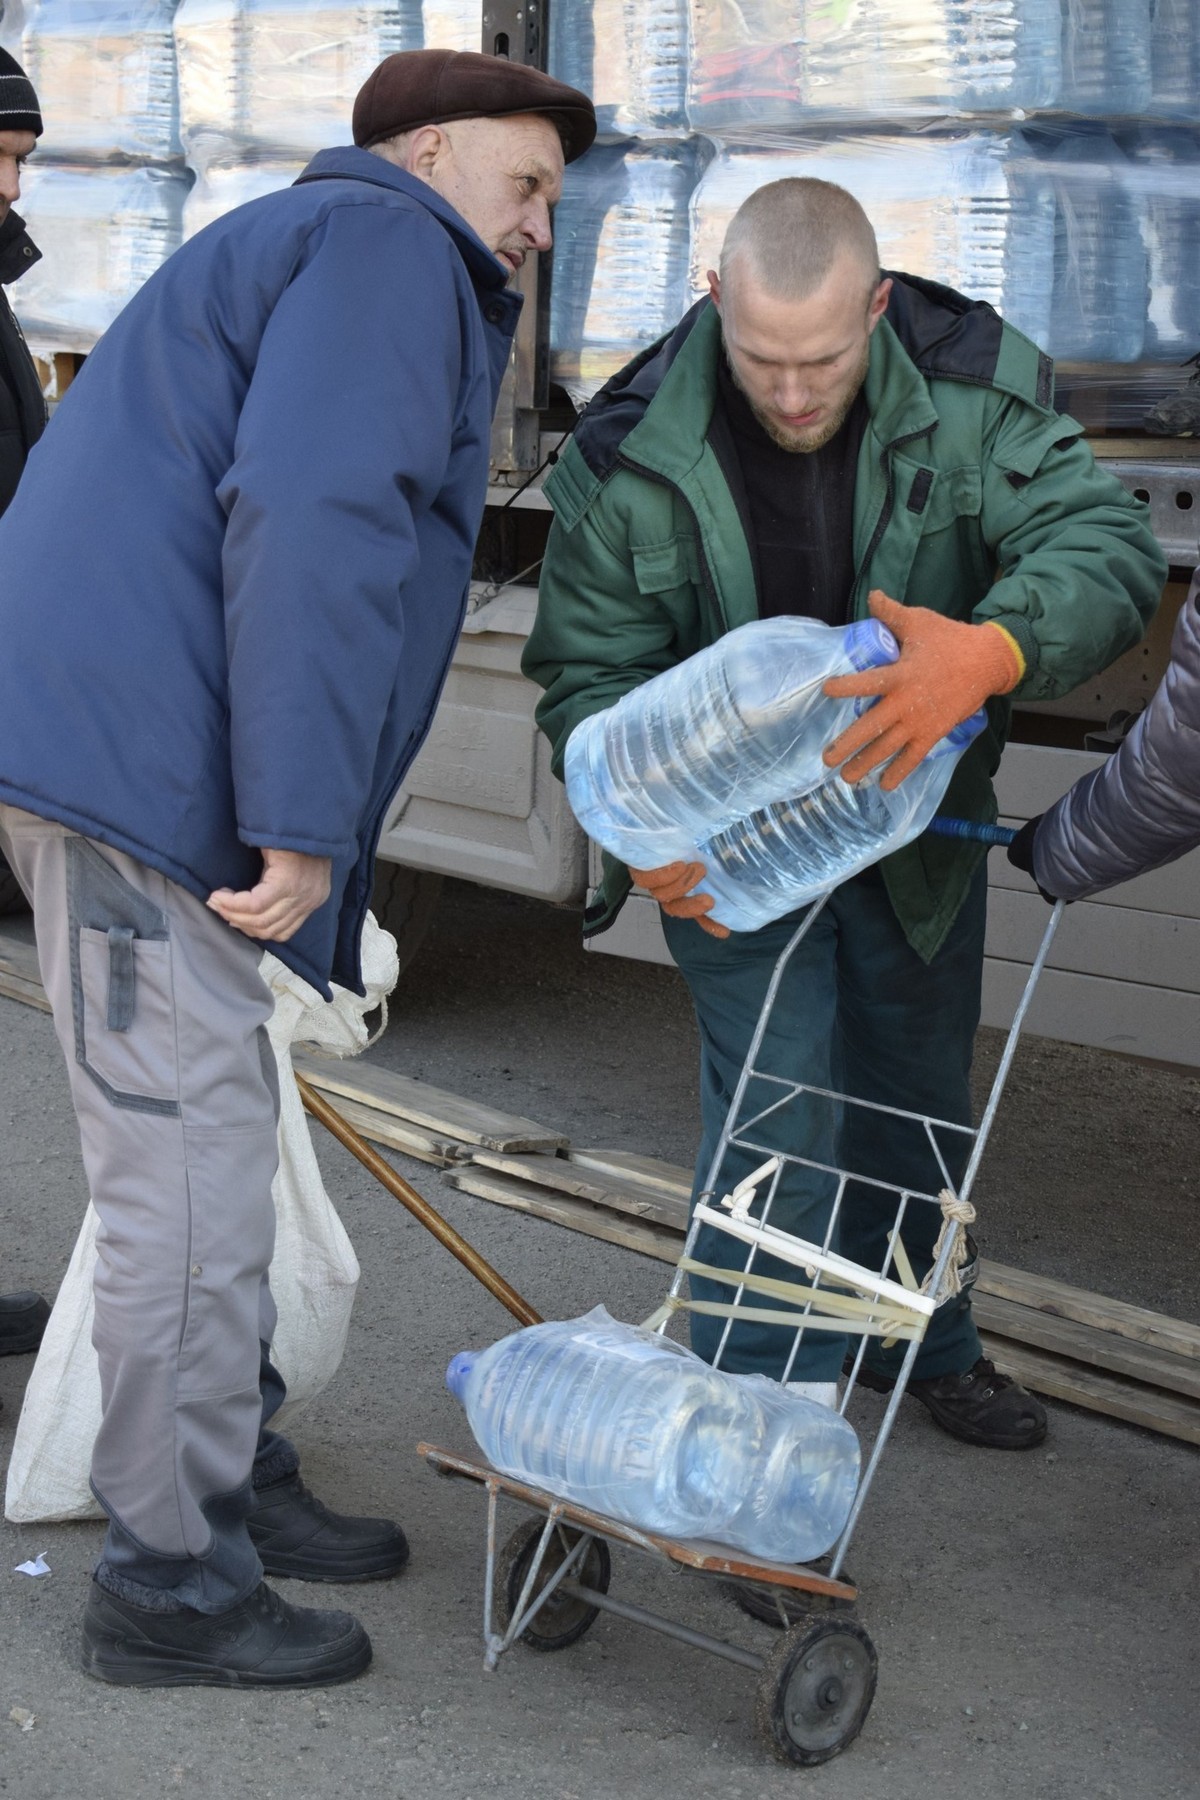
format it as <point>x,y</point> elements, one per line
<point>690,907</point>
<point>883,745</point>
<point>713,928</point>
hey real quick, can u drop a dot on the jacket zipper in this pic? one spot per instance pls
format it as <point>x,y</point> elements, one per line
<point>884,519</point>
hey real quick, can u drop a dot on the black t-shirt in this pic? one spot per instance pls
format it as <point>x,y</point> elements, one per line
<point>797,507</point>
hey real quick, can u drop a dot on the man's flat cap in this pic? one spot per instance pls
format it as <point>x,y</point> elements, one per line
<point>433,87</point>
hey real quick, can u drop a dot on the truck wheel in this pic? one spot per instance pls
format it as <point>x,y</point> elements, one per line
<point>12,895</point>
<point>404,902</point>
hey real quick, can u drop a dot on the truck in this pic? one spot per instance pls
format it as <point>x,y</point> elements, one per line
<point>1068,192</point>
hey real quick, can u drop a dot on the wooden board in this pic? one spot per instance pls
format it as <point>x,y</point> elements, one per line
<point>1171,1414</point>
<point>29,993</point>
<point>561,1209</point>
<point>446,1115</point>
<point>567,1177</point>
<point>1175,1336</point>
<point>648,1171</point>
<point>1085,1344</point>
<point>398,1134</point>
<point>19,958</point>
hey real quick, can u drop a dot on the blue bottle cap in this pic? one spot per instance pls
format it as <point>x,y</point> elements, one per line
<point>458,1374</point>
<point>868,645</point>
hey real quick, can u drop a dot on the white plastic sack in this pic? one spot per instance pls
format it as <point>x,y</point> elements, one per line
<point>314,1272</point>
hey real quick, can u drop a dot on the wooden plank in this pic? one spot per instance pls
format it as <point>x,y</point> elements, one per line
<point>29,993</point>
<point>446,1115</point>
<point>647,1171</point>
<point>19,958</point>
<point>1171,1414</point>
<point>397,1134</point>
<point>1175,1336</point>
<point>561,1209</point>
<point>1085,1344</point>
<point>564,1177</point>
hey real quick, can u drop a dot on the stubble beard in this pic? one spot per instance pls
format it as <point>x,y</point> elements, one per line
<point>803,443</point>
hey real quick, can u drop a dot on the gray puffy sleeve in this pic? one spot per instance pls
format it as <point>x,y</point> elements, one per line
<point>1142,808</point>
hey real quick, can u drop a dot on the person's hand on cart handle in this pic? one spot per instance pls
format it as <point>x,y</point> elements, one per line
<point>672,887</point>
<point>290,890</point>
<point>946,670</point>
<point>1020,855</point>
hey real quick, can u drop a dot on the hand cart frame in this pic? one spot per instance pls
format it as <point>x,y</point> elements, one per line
<point>546,1585</point>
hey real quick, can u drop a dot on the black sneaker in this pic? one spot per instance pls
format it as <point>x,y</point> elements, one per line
<point>22,1321</point>
<point>262,1642</point>
<point>980,1405</point>
<point>296,1535</point>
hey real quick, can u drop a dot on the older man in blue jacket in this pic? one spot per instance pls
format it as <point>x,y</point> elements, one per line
<point>234,576</point>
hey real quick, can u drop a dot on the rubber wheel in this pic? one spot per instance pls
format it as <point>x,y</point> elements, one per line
<point>12,895</point>
<point>563,1620</point>
<point>783,1607</point>
<point>404,902</point>
<point>816,1689</point>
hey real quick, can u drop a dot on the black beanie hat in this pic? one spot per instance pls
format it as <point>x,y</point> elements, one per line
<point>19,109</point>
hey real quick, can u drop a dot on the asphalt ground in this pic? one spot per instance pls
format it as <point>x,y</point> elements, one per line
<point>1034,1614</point>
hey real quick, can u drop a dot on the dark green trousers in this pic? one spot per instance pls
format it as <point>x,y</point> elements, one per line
<point>858,1013</point>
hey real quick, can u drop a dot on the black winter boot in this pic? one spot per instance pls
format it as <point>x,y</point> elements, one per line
<point>261,1642</point>
<point>23,1319</point>
<point>296,1535</point>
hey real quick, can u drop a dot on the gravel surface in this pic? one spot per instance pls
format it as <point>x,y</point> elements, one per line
<point>1033,1613</point>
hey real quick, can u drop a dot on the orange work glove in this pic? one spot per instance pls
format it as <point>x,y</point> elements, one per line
<point>946,671</point>
<point>672,887</point>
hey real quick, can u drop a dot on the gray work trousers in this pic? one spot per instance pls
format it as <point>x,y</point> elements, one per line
<point>161,1013</point>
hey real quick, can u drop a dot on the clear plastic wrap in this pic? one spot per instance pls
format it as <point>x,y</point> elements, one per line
<point>275,80</point>
<point>971,210</point>
<point>1106,57</point>
<point>219,190</point>
<point>620,260</point>
<point>451,25</point>
<point>1175,60</point>
<point>102,231</point>
<point>105,76</point>
<point>630,56</point>
<point>765,66</point>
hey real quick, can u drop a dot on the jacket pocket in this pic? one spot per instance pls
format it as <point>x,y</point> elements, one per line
<point>121,986</point>
<point>660,568</point>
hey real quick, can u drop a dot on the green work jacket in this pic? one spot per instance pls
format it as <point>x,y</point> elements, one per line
<point>972,496</point>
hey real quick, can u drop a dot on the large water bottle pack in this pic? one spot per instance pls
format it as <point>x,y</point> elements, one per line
<point>1043,155</point>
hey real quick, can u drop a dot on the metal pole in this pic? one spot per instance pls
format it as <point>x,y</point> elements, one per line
<point>419,1207</point>
<point>637,1615</point>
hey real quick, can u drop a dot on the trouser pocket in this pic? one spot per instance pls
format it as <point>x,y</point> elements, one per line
<point>121,985</point>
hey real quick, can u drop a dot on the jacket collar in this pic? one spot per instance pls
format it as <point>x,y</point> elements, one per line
<point>18,252</point>
<point>348,163</point>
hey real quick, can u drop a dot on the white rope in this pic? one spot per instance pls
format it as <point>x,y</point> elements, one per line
<point>954,1212</point>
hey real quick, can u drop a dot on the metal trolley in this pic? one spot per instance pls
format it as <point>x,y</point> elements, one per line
<point>549,1581</point>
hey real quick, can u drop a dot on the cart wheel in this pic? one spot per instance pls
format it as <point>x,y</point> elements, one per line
<point>816,1689</point>
<point>563,1619</point>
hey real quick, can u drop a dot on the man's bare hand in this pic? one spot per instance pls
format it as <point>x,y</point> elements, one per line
<point>672,887</point>
<point>291,889</point>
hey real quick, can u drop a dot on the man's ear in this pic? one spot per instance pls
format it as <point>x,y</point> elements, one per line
<point>879,302</point>
<point>714,288</point>
<point>426,146</point>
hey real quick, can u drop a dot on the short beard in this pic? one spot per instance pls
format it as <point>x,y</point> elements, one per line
<point>803,443</point>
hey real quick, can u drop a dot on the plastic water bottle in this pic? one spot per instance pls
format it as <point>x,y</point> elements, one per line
<point>620,259</point>
<point>1165,177</point>
<point>635,1426</point>
<point>766,65</point>
<point>786,854</point>
<point>104,71</point>
<point>1098,309</point>
<point>1106,56</point>
<point>1175,59</point>
<point>733,728</point>
<point>630,56</point>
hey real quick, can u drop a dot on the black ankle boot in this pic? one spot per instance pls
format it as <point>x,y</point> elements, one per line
<point>296,1535</point>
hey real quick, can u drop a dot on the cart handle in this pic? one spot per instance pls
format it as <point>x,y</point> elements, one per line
<point>974,829</point>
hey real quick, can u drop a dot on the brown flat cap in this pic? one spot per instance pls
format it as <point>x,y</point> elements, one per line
<point>432,87</point>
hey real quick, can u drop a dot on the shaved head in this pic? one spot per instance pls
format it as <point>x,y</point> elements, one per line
<point>789,235</point>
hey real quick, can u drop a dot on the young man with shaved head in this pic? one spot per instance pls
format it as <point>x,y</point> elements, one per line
<point>817,438</point>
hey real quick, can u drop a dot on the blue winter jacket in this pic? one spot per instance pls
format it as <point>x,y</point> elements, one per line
<point>236,566</point>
